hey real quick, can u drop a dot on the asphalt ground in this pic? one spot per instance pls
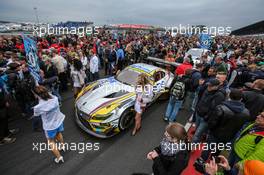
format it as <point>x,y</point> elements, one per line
<point>122,154</point>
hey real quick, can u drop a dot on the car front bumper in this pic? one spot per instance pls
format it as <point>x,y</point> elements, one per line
<point>85,125</point>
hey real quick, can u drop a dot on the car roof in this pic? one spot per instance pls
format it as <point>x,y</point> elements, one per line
<point>144,68</point>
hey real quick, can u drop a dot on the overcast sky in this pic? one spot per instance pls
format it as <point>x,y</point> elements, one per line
<point>233,13</point>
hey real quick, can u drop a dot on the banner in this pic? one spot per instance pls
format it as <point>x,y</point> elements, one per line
<point>205,41</point>
<point>32,57</point>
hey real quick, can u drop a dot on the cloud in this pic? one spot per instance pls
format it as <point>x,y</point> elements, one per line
<point>234,13</point>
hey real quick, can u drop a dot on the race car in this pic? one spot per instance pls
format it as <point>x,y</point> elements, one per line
<point>105,107</point>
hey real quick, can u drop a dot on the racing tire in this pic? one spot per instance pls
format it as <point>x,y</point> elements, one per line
<point>126,119</point>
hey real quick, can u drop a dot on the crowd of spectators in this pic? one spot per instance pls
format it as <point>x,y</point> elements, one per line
<point>224,91</point>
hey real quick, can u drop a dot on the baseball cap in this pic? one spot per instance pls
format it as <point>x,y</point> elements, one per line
<point>213,82</point>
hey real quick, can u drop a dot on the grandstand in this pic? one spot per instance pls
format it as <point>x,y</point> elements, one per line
<point>253,29</point>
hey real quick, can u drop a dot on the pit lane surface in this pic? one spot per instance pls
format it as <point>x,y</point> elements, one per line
<point>122,154</point>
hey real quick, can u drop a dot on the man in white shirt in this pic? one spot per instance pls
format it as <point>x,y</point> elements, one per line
<point>61,64</point>
<point>94,66</point>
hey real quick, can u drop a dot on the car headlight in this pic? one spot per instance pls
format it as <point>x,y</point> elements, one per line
<point>112,117</point>
<point>102,116</point>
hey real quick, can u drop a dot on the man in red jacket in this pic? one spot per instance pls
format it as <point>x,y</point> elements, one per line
<point>180,70</point>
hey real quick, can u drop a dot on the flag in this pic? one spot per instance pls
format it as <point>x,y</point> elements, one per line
<point>31,57</point>
<point>205,41</point>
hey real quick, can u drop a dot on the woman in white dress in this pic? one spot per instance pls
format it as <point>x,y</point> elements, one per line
<point>144,95</point>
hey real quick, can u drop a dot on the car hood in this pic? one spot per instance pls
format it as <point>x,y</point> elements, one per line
<point>104,96</point>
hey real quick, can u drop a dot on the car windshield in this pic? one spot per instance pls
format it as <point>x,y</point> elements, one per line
<point>128,76</point>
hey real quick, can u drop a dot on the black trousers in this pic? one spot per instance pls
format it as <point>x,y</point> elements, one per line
<point>63,80</point>
<point>4,132</point>
<point>120,64</point>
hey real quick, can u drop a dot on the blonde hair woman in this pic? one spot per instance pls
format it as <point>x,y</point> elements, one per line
<point>144,95</point>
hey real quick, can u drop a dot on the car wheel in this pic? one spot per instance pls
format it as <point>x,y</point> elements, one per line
<point>126,119</point>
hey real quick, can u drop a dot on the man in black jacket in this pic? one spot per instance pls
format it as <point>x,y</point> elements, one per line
<point>228,119</point>
<point>5,133</point>
<point>192,94</point>
<point>254,99</point>
<point>212,97</point>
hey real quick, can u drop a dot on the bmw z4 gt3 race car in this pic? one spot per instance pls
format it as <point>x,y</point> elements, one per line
<point>105,107</point>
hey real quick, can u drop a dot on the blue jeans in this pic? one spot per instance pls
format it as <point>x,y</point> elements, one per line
<point>173,108</point>
<point>201,128</point>
<point>194,101</point>
<point>189,100</point>
<point>55,91</point>
<point>111,66</point>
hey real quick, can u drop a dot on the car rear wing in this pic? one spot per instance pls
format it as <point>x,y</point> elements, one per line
<point>161,61</point>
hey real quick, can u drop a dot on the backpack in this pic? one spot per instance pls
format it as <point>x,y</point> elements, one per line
<point>178,90</point>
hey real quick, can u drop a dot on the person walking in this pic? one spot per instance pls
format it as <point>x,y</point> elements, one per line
<point>5,134</point>
<point>52,120</point>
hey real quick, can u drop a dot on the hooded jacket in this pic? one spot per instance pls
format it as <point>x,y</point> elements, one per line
<point>170,165</point>
<point>209,100</point>
<point>228,119</point>
<point>251,98</point>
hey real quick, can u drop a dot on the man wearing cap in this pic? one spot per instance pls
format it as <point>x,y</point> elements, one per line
<point>205,107</point>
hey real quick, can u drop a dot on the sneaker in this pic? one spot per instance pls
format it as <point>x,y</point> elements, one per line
<point>165,119</point>
<point>62,148</point>
<point>14,131</point>
<point>59,160</point>
<point>7,140</point>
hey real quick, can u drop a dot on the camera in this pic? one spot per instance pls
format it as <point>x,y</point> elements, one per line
<point>199,164</point>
